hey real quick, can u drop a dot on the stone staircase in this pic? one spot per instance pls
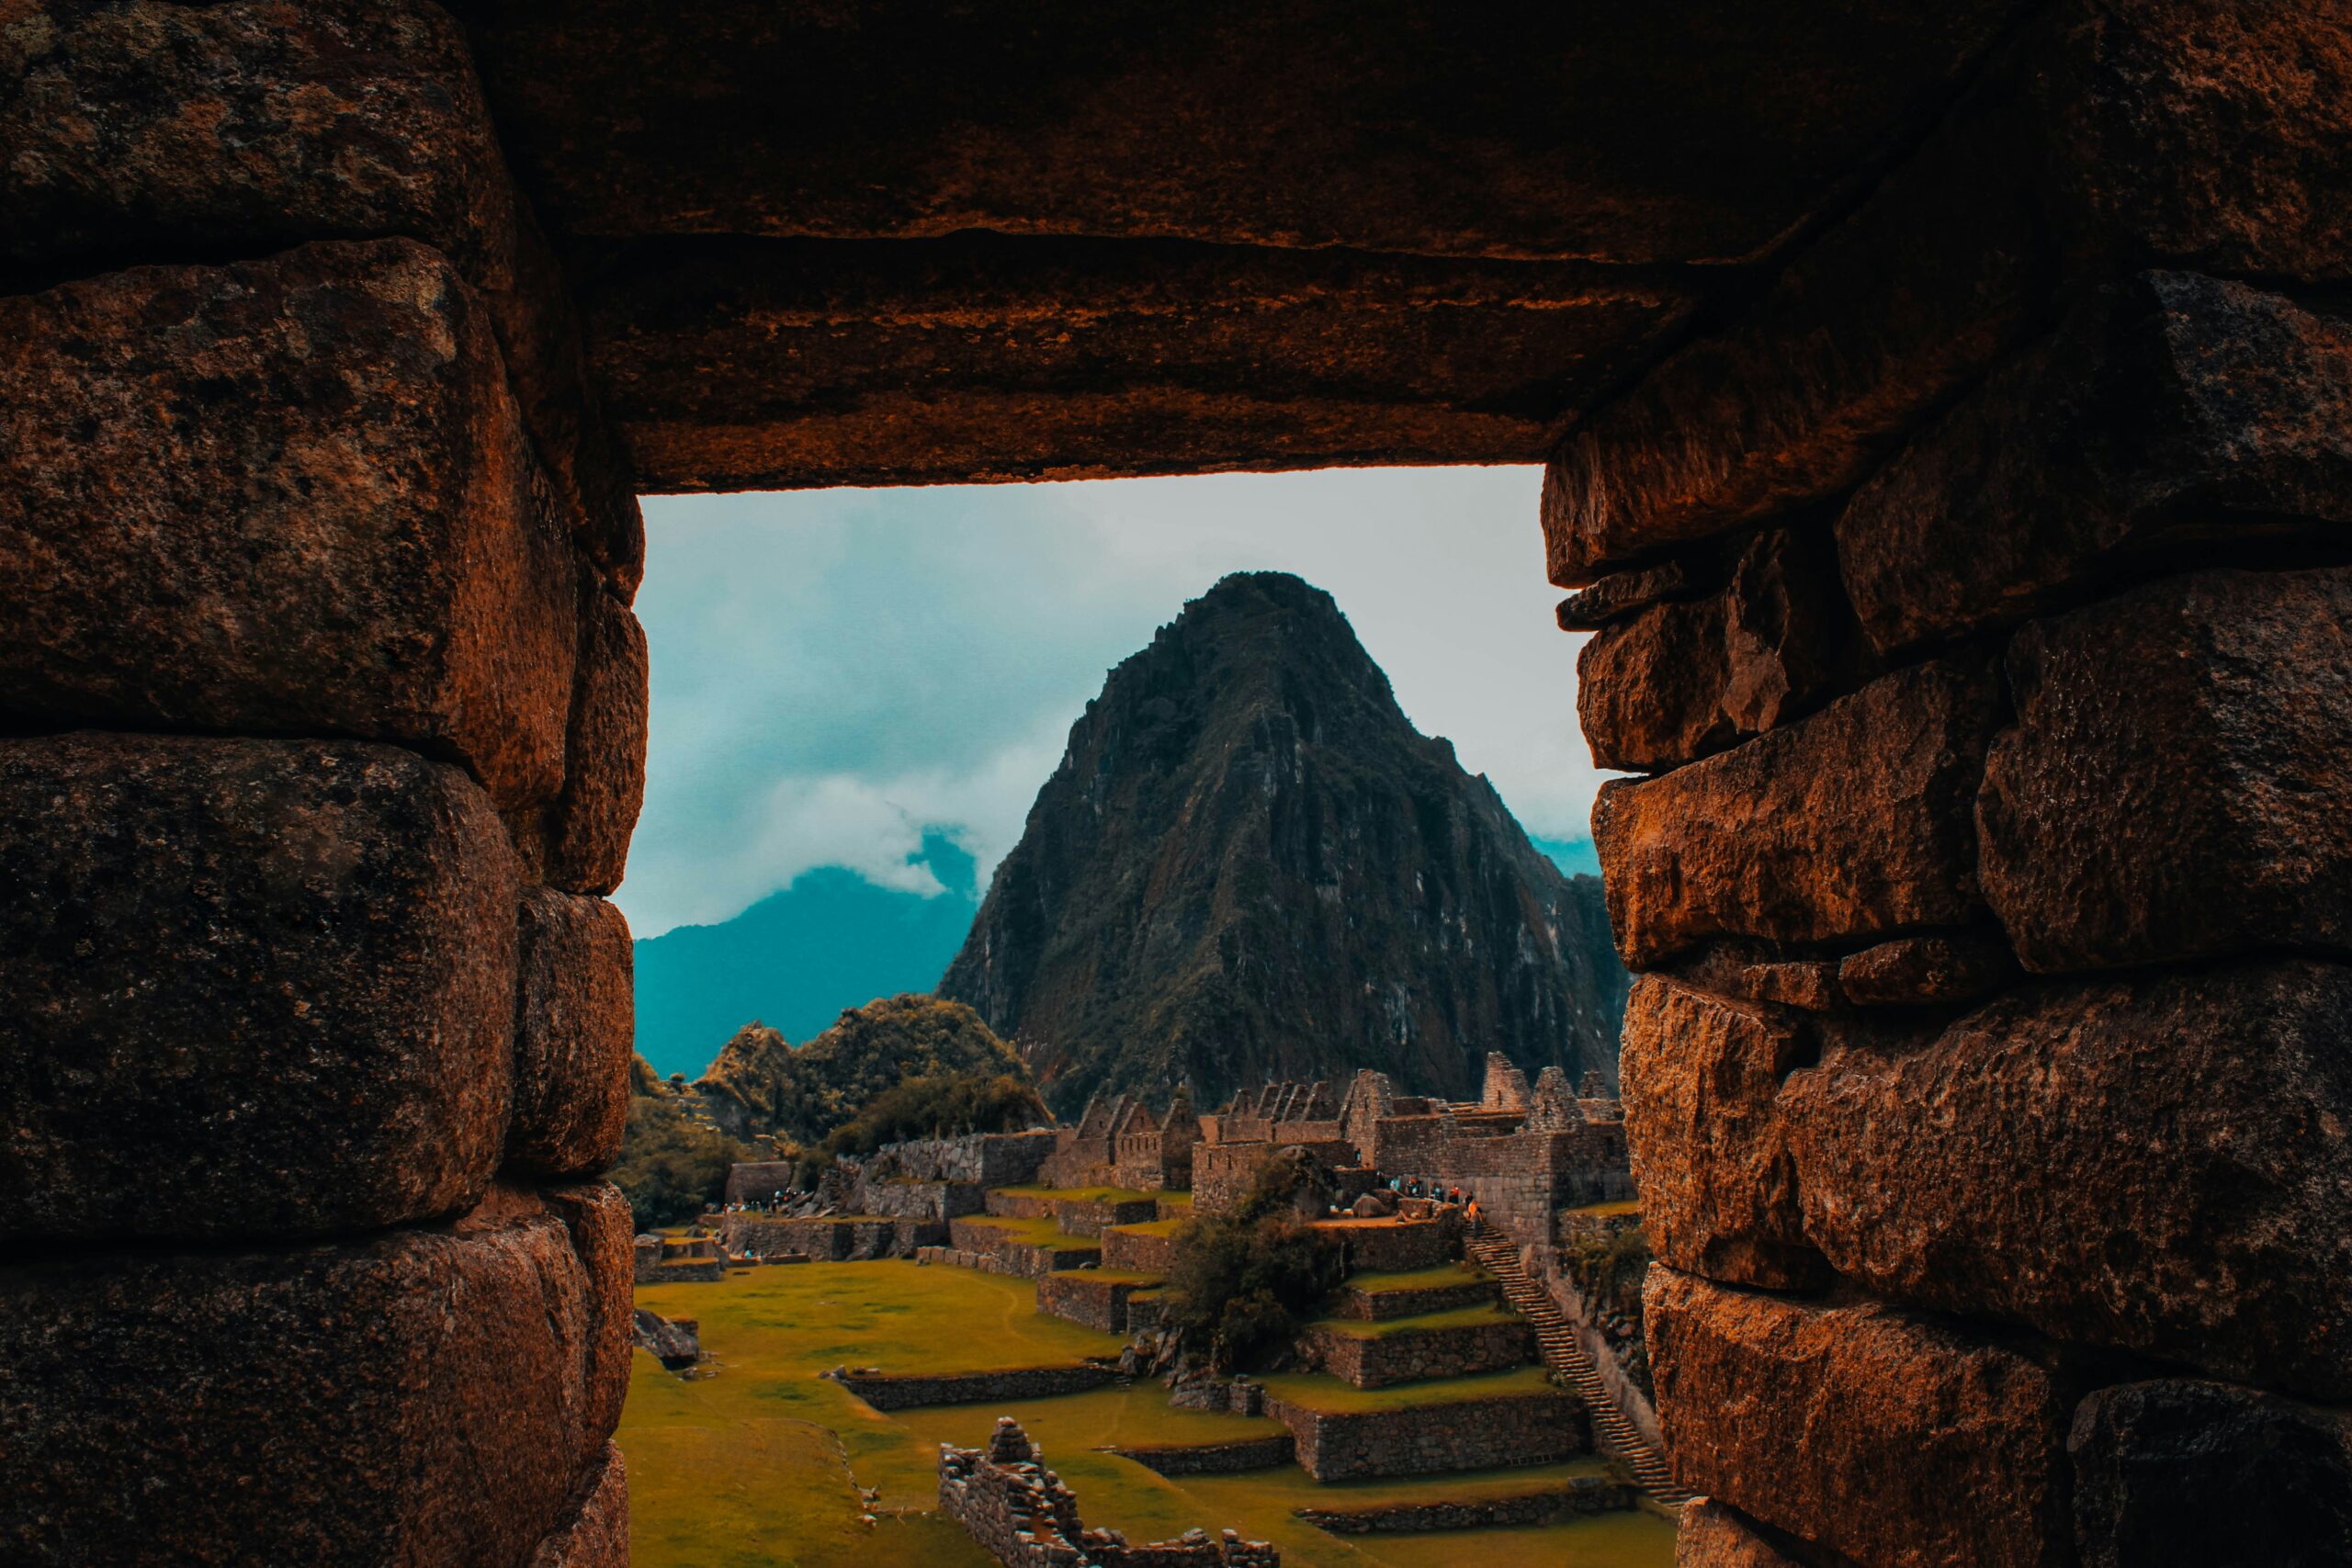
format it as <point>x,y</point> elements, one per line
<point>1612,1432</point>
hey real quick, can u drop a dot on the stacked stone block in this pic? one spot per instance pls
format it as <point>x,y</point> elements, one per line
<point>323,717</point>
<point>1973,607</point>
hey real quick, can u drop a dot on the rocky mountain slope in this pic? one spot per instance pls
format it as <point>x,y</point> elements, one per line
<point>762,1086</point>
<point>1250,865</point>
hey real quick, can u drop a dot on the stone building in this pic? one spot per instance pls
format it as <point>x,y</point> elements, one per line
<point>1121,1142</point>
<point>1024,1516</point>
<point>1948,420</point>
<point>1523,1152</point>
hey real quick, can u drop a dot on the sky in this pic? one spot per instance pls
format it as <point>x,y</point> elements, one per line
<point>837,671</point>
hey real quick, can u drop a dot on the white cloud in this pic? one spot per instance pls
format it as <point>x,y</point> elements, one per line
<point>836,671</point>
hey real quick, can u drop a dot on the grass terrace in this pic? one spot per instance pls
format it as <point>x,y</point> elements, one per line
<point>758,1465</point>
<point>1087,1194</point>
<point>1150,1227</point>
<point>1042,1232</point>
<point>1608,1211</point>
<point>1460,1317</point>
<point>1319,1391</point>
<point>1374,1284</point>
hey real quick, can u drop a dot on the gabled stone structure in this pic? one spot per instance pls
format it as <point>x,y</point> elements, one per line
<point>1522,1154</point>
<point>1121,1142</point>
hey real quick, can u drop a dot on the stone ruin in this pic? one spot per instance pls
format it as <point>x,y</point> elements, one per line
<point>1022,1514</point>
<point>1948,428</point>
<point>1523,1152</point>
<point>1122,1142</point>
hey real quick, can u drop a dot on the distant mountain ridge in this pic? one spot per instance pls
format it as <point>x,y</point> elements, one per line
<point>797,958</point>
<point>1250,865</point>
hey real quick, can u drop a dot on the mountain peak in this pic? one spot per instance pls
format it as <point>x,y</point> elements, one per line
<point>1249,863</point>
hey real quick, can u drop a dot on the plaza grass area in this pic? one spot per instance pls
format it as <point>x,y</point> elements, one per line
<point>759,1463</point>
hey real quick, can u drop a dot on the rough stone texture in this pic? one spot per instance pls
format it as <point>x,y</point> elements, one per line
<point>2192,1197</point>
<point>1680,680</point>
<point>1621,593</point>
<point>598,1536</point>
<point>1929,970</point>
<point>145,131</point>
<point>1380,1306</point>
<point>1427,1439</point>
<point>2188,1474</point>
<point>1710,1148</point>
<point>1213,1459</point>
<point>732,363</point>
<point>2170,412</point>
<point>414,1399</point>
<point>1794,1413</point>
<point>1311,125</point>
<point>603,1237</point>
<point>279,497</point>
<point>1713,1535</point>
<point>1847,825</point>
<point>1750,972</point>
<point>1869,327</point>
<point>586,833</point>
<point>216,950</point>
<point>2208,133</point>
<point>575,1020</point>
<point>2174,787</point>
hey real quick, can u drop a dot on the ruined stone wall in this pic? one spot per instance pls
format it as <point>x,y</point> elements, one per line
<point>1535,1428</point>
<point>1141,1251</point>
<point>1377,1360</point>
<point>833,1238</point>
<point>1381,1305</point>
<point>1022,1514</point>
<point>1397,1245</point>
<point>904,1390</point>
<point>1084,1297</point>
<point>1972,608</point>
<point>990,1159</point>
<point>1224,1173</point>
<point>1015,1252</point>
<point>324,715</point>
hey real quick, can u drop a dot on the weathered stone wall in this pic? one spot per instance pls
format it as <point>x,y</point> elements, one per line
<point>1973,607</point>
<point>1214,1458</point>
<point>1577,1495</point>
<point>904,1390</point>
<point>1015,1252</point>
<point>1381,1305</point>
<point>1483,1434</point>
<point>990,1159</point>
<point>1083,1296</point>
<point>1140,1251</point>
<point>1397,1246</point>
<point>1410,1355</point>
<point>324,717</point>
<point>829,1239</point>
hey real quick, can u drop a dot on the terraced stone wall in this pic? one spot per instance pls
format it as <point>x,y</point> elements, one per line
<point>324,715</point>
<point>1972,608</point>
<point>1482,1433</point>
<point>1379,1361</point>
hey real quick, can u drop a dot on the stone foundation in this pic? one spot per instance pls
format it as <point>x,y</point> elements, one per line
<point>1083,1296</point>
<point>1484,1434</point>
<point>1413,1354</point>
<point>1137,1251</point>
<point>1400,1245</point>
<point>1024,1516</point>
<point>1015,1255</point>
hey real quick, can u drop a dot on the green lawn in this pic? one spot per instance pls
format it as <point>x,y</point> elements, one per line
<point>1151,1227</point>
<point>1460,1317</point>
<point>1046,1232</point>
<point>1321,1390</point>
<point>758,1464</point>
<point>1374,1284</point>
<point>1084,1194</point>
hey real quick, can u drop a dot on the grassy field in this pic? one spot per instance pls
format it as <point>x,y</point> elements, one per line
<point>761,1462</point>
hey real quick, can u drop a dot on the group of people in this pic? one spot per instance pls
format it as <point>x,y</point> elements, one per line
<point>1416,1188</point>
<point>775,1200</point>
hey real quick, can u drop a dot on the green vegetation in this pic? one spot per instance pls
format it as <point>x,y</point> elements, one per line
<point>758,1465</point>
<point>1319,1391</point>
<point>1608,1269</point>
<point>1239,1284</point>
<point>670,1165</point>
<point>1043,1230</point>
<point>1373,1283</point>
<point>1460,1317</point>
<point>1608,1211</point>
<point>761,1085</point>
<point>945,1105</point>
